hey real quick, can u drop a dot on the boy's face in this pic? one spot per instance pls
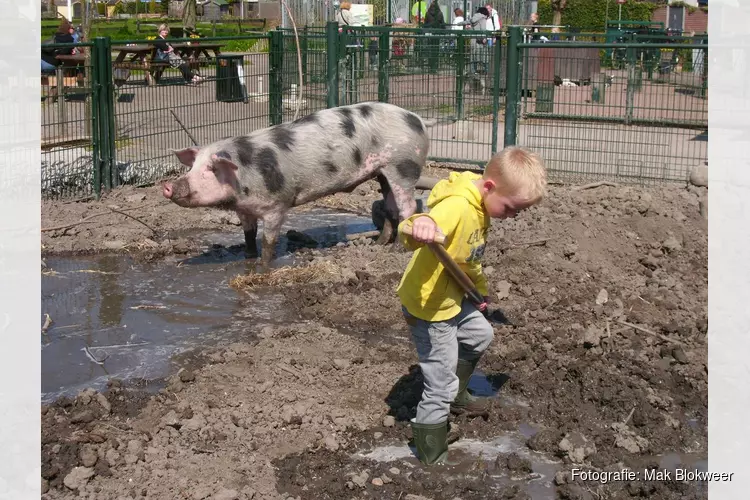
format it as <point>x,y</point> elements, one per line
<point>501,205</point>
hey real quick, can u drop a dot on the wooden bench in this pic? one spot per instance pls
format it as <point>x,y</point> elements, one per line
<point>68,74</point>
<point>143,57</point>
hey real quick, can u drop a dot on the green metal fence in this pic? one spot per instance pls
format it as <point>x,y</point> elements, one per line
<point>642,119</point>
<point>637,118</point>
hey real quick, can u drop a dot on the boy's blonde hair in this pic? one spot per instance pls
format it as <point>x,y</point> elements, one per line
<point>162,27</point>
<point>518,172</point>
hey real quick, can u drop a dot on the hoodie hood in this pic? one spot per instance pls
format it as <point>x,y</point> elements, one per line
<point>457,184</point>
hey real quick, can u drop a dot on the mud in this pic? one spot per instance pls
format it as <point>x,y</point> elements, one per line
<point>318,408</point>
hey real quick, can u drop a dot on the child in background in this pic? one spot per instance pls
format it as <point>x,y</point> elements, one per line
<point>449,332</point>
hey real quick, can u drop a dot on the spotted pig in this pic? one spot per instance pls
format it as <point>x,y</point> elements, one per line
<point>267,172</point>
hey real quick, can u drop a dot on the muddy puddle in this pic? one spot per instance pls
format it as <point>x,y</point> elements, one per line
<point>114,317</point>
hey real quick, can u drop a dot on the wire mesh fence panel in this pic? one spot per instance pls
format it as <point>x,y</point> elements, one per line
<point>155,99</point>
<point>306,54</point>
<point>591,120</point>
<point>450,77</point>
<point>68,140</point>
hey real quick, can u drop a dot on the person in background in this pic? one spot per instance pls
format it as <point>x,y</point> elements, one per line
<point>434,16</point>
<point>458,20</point>
<point>344,15</point>
<point>64,34</point>
<point>534,24</point>
<point>493,22</point>
<point>166,53</point>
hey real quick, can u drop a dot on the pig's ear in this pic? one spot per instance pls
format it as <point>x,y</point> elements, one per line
<point>223,167</point>
<point>186,156</point>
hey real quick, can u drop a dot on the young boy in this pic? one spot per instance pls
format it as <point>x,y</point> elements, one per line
<point>449,332</point>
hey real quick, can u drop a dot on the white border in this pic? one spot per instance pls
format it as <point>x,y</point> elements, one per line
<point>729,247</point>
<point>20,369</point>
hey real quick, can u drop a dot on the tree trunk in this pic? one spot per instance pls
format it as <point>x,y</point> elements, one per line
<point>189,15</point>
<point>51,7</point>
<point>557,17</point>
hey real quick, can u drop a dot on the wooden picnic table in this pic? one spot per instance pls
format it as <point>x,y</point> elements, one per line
<point>142,57</point>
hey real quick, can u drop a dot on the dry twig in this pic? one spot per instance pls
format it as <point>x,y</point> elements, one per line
<point>86,219</point>
<point>47,323</point>
<point>366,234</point>
<point>649,332</point>
<point>630,415</point>
<point>535,243</point>
<point>595,185</point>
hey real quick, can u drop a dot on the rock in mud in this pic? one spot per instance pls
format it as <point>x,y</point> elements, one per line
<point>561,478</point>
<point>544,440</point>
<point>503,290</point>
<point>699,176</point>
<point>679,355</point>
<point>88,456</point>
<point>361,479</point>
<point>83,417</point>
<point>592,337</point>
<point>394,471</point>
<point>515,463</point>
<point>389,421</point>
<point>187,376</point>
<point>225,494</point>
<point>78,478</point>
<point>627,439</point>
<point>377,482</point>
<point>602,297</point>
<point>671,245</point>
<point>103,402</point>
<point>331,443</point>
<point>341,364</point>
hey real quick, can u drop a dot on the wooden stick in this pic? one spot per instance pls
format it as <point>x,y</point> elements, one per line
<point>366,234</point>
<point>629,416</point>
<point>86,219</point>
<point>595,185</point>
<point>134,218</point>
<point>649,332</point>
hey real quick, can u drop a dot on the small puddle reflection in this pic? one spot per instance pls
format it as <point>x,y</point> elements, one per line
<point>135,316</point>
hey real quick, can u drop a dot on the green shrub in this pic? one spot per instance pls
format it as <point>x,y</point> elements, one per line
<point>590,15</point>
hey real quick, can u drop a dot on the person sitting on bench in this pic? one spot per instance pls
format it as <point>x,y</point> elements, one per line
<point>64,34</point>
<point>166,53</point>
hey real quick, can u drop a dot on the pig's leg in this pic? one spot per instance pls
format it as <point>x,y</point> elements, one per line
<point>390,224</point>
<point>399,196</point>
<point>272,223</point>
<point>250,227</point>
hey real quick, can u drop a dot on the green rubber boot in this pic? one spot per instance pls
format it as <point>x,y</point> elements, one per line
<point>431,441</point>
<point>465,403</point>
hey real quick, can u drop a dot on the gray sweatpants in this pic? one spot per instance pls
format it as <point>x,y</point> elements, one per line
<point>439,346</point>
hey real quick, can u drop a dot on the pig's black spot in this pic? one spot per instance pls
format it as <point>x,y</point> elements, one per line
<point>268,166</point>
<point>282,137</point>
<point>409,169</point>
<point>224,154</point>
<point>414,122</point>
<point>347,122</point>
<point>375,142</point>
<point>244,150</point>
<point>246,190</point>
<point>365,110</point>
<point>357,156</point>
<point>331,167</point>
<point>311,118</point>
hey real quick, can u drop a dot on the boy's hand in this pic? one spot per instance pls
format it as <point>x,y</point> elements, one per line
<point>483,306</point>
<point>424,229</point>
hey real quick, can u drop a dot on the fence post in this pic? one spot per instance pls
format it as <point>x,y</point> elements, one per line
<point>460,73</point>
<point>276,64</point>
<point>384,55</point>
<point>96,163</point>
<point>630,90</point>
<point>332,63</point>
<point>303,49</point>
<point>106,112</point>
<point>512,74</point>
<point>497,60</point>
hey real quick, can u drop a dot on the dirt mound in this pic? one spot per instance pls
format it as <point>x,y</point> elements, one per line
<point>606,363</point>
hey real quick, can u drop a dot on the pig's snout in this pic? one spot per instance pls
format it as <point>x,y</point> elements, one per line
<point>167,190</point>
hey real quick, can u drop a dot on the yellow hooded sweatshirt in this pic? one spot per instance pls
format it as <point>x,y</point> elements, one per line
<point>426,290</point>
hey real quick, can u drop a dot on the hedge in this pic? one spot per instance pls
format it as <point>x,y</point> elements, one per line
<point>590,15</point>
